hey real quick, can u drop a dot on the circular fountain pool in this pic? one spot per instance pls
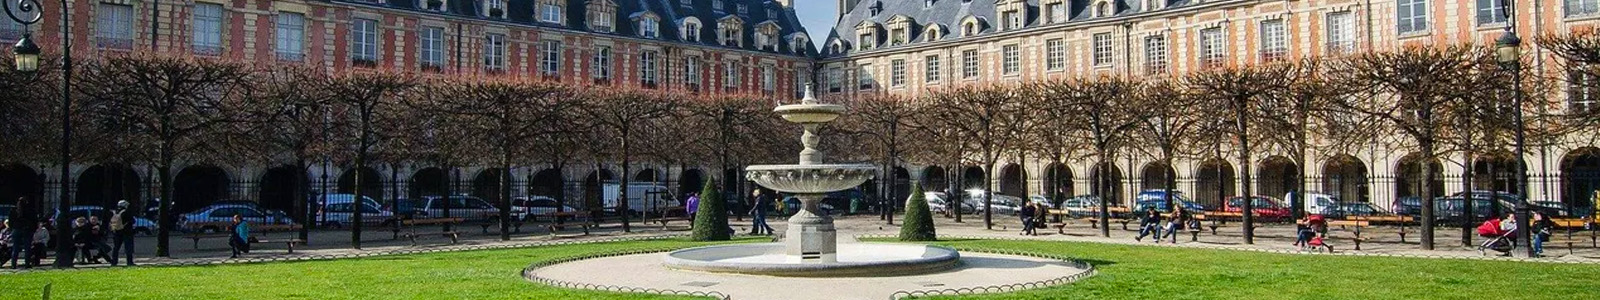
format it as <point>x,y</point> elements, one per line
<point>852,260</point>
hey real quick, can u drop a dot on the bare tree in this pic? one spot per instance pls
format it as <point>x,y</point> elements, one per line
<point>1104,112</point>
<point>620,115</point>
<point>1167,123</point>
<point>879,125</point>
<point>1239,92</point>
<point>1413,91</point>
<point>360,100</point>
<point>169,103</point>
<point>991,119</point>
<point>287,118</point>
<point>506,115</point>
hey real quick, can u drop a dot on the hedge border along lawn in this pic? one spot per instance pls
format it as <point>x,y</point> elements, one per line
<point>483,274</point>
<point>1147,272</point>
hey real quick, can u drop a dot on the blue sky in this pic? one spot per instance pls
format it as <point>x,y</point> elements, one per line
<point>816,15</point>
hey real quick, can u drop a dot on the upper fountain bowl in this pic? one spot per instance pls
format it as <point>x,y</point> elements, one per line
<point>810,112</point>
<point>810,179</point>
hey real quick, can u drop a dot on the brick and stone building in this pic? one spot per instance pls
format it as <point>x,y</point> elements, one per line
<point>915,47</point>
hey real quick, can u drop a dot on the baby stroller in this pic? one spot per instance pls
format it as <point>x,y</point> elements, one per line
<point>1500,240</point>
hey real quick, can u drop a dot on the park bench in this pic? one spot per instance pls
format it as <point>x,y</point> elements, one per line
<point>408,228</point>
<point>1356,226</point>
<point>554,227</point>
<point>255,229</point>
<point>1573,226</point>
<point>1399,220</point>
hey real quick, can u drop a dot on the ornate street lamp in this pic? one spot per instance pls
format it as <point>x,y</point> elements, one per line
<point>1508,52</point>
<point>27,54</point>
<point>27,60</point>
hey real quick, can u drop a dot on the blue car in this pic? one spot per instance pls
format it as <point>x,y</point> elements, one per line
<point>1157,199</point>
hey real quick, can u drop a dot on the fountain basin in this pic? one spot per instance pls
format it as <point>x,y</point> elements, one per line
<point>810,179</point>
<point>854,260</point>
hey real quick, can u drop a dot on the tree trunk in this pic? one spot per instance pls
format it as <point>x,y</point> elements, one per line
<point>1427,196</point>
<point>955,197</point>
<point>1100,191</point>
<point>164,206</point>
<point>505,196</point>
<point>1466,185</point>
<point>622,189</point>
<point>302,192</point>
<point>1244,171</point>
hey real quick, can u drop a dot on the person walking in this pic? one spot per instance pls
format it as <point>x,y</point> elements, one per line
<point>1179,219</point>
<point>122,232</point>
<point>1149,224</point>
<point>692,207</point>
<point>1028,210</point>
<point>758,213</point>
<point>240,239</point>
<point>22,223</point>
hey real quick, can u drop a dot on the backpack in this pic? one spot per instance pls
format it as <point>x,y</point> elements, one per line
<point>116,221</point>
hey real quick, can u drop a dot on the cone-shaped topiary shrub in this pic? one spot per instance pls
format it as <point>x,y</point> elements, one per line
<point>918,223</point>
<point>711,220</point>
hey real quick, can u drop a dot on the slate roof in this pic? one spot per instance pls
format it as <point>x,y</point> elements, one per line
<point>950,13</point>
<point>522,12</point>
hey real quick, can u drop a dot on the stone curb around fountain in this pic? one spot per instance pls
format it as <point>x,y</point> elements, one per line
<point>1261,250</point>
<point>1086,270</point>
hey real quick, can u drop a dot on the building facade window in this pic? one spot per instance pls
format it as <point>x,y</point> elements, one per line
<point>1212,44</point>
<point>716,5</point>
<point>600,65</point>
<point>769,79</point>
<point>1490,12</point>
<point>835,80</point>
<point>1055,54</point>
<point>864,79</point>
<point>364,42</point>
<point>1273,44</point>
<point>602,17</point>
<point>1102,50</point>
<point>691,31</point>
<point>1580,8</point>
<point>1057,12</point>
<point>969,64</point>
<point>1411,16</point>
<point>647,68</point>
<point>432,44</point>
<point>550,58</point>
<point>930,69</point>
<point>1341,32</point>
<point>1013,20</point>
<point>290,33</point>
<point>732,33</point>
<point>1011,60</point>
<point>691,70</point>
<point>897,73</point>
<point>113,26</point>
<point>1583,93</point>
<point>206,37</point>
<point>1155,54</point>
<point>494,52</point>
<point>730,75</point>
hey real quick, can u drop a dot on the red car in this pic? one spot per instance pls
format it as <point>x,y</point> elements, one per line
<point>1264,207</point>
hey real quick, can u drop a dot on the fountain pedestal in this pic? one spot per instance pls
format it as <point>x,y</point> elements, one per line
<point>811,237</point>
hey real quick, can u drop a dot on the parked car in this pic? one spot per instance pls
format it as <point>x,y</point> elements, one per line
<point>938,204</point>
<point>1264,207</point>
<point>1452,209</point>
<point>467,208</point>
<point>1407,206</point>
<point>1002,204</point>
<point>1506,202</point>
<point>524,208</point>
<point>140,225</point>
<point>1161,206</point>
<point>1043,201</point>
<point>1355,209</point>
<point>642,196</point>
<point>1083,206</point>
<point>338,210</point>
<point>1561,207</point>
<point>792,205</point>
<point>1316,203</point>
<point>216,217</point>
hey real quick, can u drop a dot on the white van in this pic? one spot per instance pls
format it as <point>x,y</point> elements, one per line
<point>641,197</point>
<point>1315,203</point>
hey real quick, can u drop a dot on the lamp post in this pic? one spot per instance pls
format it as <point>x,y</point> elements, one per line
<point>1508,54</point>
<point>27,60</point>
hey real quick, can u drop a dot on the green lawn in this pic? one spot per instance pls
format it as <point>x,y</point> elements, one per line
<point>1142,272</point>
<point>488,274</point>
<point>1126,272</point>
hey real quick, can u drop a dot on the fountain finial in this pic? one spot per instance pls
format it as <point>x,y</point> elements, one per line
<point>810,96</point>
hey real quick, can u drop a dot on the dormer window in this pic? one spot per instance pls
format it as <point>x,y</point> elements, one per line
<point>767,35</point>
<point>971,26</point>
<point>491,8</point>
<point>716,5</point>
<point>691,29</point>
<point>434,5</point>
<point>1013,13</point>
<point>1103,9</point>
<point>900,29</point>
<point>1055,11</point>
<point>649,27</point>
<point>772,13</point>
<point>602,16</point>
<point>798,42</point>
<point>743,10</point>
<point>877,7</point>
<point>731,31</point>
<point>550,11</point>
<point>866,40</point>
<point>927,3</point>
<point>933,33</point>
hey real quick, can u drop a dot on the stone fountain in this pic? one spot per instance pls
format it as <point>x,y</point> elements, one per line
<point>810,247</point>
